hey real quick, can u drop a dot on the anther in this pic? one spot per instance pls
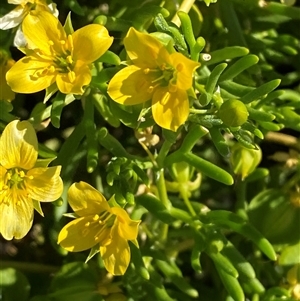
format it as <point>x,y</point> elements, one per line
<point>87,224</point>
<point>96,217</point>
<point>69,59</point>
<point>150,89</point>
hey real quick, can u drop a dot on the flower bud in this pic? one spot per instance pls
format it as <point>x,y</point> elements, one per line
<point>244,160</point>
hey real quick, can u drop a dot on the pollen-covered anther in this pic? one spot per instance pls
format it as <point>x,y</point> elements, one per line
<point>69,59</point>
<point>146,70</point>
<point>87,224</point>
<point>150,89</point>
<point>96,217</point>
<point>22,174</point>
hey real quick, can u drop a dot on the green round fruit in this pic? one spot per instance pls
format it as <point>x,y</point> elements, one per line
<point>233,112</point>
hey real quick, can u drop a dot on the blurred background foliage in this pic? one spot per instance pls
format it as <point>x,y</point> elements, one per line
<point>218,240</point>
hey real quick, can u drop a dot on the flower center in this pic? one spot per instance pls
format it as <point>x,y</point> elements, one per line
<point>164,76</point>
<point>14,180</point>
<point>104,221</point>
<point>60,60</point>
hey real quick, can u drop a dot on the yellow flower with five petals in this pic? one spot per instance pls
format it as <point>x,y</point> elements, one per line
<point>154,74</point>
<point>25,181</point>
<point>99,224</point>
<point>53,56</point>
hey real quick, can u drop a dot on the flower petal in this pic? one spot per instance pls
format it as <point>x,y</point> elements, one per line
<point>29,75</point>
<point>18,145</point>
<point>116,255</point>
<point>144,50</point>
<point>82,234</point>
<point>16,214</point>
<point>41,27</point>
<point>170,110</point>
<point>130,86</point>
<point>185,68</point>
<point>81,77</point>
<point>44,184</point>
<point>5,91</point>
<point>13,18</point>
<point>90,42</point>
<point>86,200</point>
<point>128,228</point>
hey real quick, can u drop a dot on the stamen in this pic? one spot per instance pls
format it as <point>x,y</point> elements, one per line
<point>150,89</point>
<point>51,69</point>
<point>87,224</point>
<point>69,59</point>
<point>70,43</point>
<point>96,217</point>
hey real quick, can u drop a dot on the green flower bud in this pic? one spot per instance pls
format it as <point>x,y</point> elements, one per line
<point>233,112</point>
<point>244,160</point>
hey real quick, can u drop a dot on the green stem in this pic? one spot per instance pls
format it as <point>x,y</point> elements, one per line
<point>185,6</point>
<point>163,196</point>
<point>186,200</point>
<point>163,153</point>
<point>241,203</point>
<point>162,190</point>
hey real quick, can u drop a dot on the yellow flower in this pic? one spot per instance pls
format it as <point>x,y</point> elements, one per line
<point>154,74</point>
<point>24,180</point>
<point>53,56</point>
<point>99,224</point>
<point>15,17</point>
<point>5,64</point>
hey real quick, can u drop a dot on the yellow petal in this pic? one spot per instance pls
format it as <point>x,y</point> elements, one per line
<point>44,184</point>
<point>82,234</point>
<point>170,110</point>
<point>144,50</point>
<point>128,228</point>
<point>130,86</point>
<point>30,75</point>
<point>5,91</point>
<point>76,80</point>
<point>86,200</point>
<point>41,29</point>
<point>3,172</point>
<point>90,42</point>
<point>16,214</point>
<point>116,255</point>
<point>185,68</point>
<point>18,145</point>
